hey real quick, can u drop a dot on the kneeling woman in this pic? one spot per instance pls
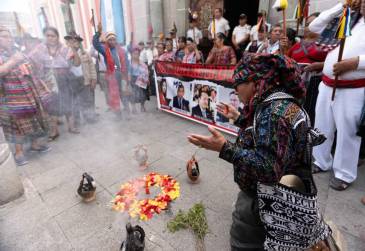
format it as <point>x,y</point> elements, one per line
<point>271,89</point>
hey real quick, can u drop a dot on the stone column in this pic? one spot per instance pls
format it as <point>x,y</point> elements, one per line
<point>156,15</point>
<point>182,7</point>
<point>320,5</point>
<point>11,186</point>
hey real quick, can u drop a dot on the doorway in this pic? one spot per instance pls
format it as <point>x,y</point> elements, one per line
<point>233,9</point>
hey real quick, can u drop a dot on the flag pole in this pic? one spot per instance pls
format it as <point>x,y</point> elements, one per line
<point>284,22</point>
<point>342,32</point>
<point>214,27</point>
<point>298,14</point>
<point>283,50</point>
<point>95,30</point>
<point>340,55</point>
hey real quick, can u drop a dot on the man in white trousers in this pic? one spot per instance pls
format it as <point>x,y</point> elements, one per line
<point>342,115</point>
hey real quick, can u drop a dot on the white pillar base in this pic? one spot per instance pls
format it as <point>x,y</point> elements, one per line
<point>11,186</point>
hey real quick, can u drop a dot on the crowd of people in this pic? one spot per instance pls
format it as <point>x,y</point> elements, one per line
<point>282,77</point>
<point>43,82</point>
<point>318,68</point>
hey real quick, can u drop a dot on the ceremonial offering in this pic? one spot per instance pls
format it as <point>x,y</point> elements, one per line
<point>141,156</point>
<point>87,188</point>
<point>129,198</point>
<point>192,169</point>
<point>195,220</point>
<point>135,239</point>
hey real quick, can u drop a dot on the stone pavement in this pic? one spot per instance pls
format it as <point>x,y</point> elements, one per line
<point>50,215</point>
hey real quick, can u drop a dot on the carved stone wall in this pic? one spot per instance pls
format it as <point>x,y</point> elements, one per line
<point>205,9</point>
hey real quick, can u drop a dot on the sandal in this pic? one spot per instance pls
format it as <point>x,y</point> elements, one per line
<point>21,160</point>
<point>338,185</point>
<point>74,131</point>
<point>40,149</point>
<point>53,138</point>
<point>316,169</point>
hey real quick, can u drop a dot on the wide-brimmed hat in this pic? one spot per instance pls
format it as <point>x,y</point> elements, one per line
<point>110,35</point>
<point>172,31</point>
<point>73,35</point>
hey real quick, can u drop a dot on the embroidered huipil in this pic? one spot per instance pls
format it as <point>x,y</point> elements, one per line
<point>273,150</point>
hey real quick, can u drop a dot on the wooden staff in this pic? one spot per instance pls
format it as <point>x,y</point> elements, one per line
<point>284,22</point>
<point>284,49</point>
<point>298,23</point>
<point>95,30</point>
<point>264,25</point>
<point>342,33</point>
<point>299,17</point>
<point>214,27</point>
<point>194,33</point>
<point>45,16</point>
<point>340,55</point>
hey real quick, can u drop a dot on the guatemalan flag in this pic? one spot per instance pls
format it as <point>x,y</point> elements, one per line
<point>344,28</point>
<point>112,18</point>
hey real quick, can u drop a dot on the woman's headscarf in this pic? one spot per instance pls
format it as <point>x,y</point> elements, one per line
<point>270,73</point>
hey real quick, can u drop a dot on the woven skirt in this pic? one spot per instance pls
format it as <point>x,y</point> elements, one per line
<point>247,230</point>
<point>18,130</point>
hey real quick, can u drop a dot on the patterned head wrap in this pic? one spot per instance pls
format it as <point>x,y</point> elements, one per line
<point>270,72</point>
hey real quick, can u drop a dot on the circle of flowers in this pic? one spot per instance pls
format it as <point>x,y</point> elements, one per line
<point>126,199</point>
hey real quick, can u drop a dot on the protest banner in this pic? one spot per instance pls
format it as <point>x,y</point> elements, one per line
<point>192,91</point>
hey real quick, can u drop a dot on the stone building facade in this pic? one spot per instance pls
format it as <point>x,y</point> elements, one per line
<point>149,18</point>
<point>164,13</point>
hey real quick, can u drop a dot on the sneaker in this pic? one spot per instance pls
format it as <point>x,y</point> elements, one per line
<point>21,160</point>
<point>41,149</point>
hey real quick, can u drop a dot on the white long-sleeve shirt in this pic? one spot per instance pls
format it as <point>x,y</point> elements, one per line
<point>354,46</point>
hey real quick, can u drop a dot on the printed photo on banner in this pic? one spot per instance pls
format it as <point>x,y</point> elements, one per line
<point>204,101</point>
<point>180,93</point>
<point>162,93</point>
<point>228,96</point>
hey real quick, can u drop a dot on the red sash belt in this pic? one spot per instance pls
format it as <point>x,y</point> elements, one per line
<point>354,83</point>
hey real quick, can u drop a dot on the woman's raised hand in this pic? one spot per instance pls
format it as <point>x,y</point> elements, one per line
<point>228,111</point>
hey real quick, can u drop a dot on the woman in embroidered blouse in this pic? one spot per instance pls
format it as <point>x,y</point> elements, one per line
<point>192,54</point>
<point>221,54</point>
<point>275,148</point>
<point>54,61</point>
<point>169,54</point>
<point>139,79</point>
<point>22,100</point>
